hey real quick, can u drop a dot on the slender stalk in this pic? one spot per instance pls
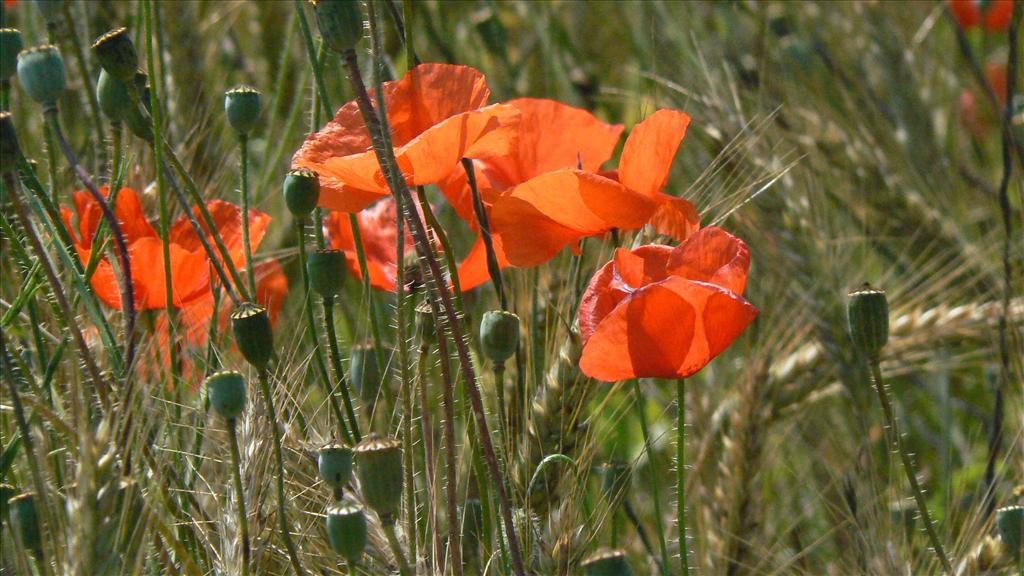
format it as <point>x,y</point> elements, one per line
<point>307,305</point>
<point>83,72</point>
<point>684,547</point>
<point>339,372</point>
<point>396,548</point>
<point>236,477</point>
<point>499,392</point>
<point>127,290</point>
<point>406,385</point>
<point>485,232</point>
<point>655,485</point>
<point>396,182</point>
<point>68,315</point>
<point>243,150</point>
<point>427,441</point>
<point>896,440</point>
<point>282,516</point>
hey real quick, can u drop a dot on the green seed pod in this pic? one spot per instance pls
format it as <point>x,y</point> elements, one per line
<point>41,72</point>
<point>301,192</point>
<point>327,270</point>
<point>379,466</point>
<point>10,151</point>
<point>242,105</point>
<point>499,335</point>
<point>115,102</point>
<point>51,10</point>
<point>868,313</point>
<point>116,53</point>
<point>346,531</point>
<point>607,563</point>
<point>335,465</point>
<point>25,520</point>
<point>137,122</point>
<point>340,23</point>
<point>425,331</point>
<point>226,393</point>
<point>1010,524</point>
<point>363,371</point>
<point>10,45</point>
<point>253,335</point>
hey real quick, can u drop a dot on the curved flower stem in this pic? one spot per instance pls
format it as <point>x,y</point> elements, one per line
<point>307,305</point>
<point>386,158</point>
<point>243,150</point>
<point>897,442</point>
<point>485,232</point>
<point>236,477</point>
<point>127,290</point>
<point>684,548</point>
<point>655,485</point>
<point>282,517</point>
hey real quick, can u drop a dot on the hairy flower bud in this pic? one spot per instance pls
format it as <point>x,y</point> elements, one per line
<point>379,466</point>
<point>868,314</point>
<point>226,392</point>
<point>253,334</point>
<point>499,335</point>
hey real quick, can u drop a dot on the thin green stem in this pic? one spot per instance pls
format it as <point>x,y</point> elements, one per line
<point>655,484</point>
<point>243,150</point>
<point>499,392</point>
<point>236,477</point>
<point>282,516</point>
<point>339,372</point>
<point>396,548</point>
<point>684,548</point>
<point>307,306</point>
<point>406,384</point>
<point>896,440</point>
<point>427,441</point>
<point>485,232</point>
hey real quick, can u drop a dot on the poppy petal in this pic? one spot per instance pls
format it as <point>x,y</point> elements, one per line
<point>430,93</point>
<point>713,256</point>
<point>228,220</point>
<point>670,329</point>
<point>675,217</point>
<point>130,215</point>
<point>649,150</point>
<point>473,269</point>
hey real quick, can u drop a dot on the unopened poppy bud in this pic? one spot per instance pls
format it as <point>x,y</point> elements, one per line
<point>425,331</point>
<point>868,314</point>
<point>335,465</point>
<point>116,53</point>
<point>253,335</point>
<point>346,531</point>
<point>9,148</point>
<point>499,335</point>
<point>226,392</point>
<point>25,520</point>
<point>363,371</point>
<point>327,270</point>
<point>242,105</point>
<point>1010,524</point>
<point>379,466</point>
<point>607,563</point>
<point>41,72</point>
<point>301,192</point>
<point>50,10</point>
<point>10,46</point>
<point>340,23</point>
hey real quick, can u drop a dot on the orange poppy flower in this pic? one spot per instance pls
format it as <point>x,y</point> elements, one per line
<point>190,268</point>
<point>438,115</point>
<point>538,218</point>
<point>663,312</point>
<point>993,15</point>
<point>552,135</point>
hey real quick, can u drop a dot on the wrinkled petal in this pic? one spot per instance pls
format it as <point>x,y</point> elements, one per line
<point>649,150</point>
<point>675,217</point>
<point>430,93</point>
<point>228,219</point>
<point>127,209</point>
<point>670,329</point>
<point>627,271</point>
<point>539,218</point>
<point>379,236</point>
<point>713,256</point>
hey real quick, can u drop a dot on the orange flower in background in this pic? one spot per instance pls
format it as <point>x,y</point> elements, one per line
<point>663,312</point>
<point>438,115</point>
<point>993,15</point>
<point>190,268</point>
<point>979,121</point>
<point>538,218</point>
<point>378,229</point>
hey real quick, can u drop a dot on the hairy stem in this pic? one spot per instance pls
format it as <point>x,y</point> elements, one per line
<point>236,477</point>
